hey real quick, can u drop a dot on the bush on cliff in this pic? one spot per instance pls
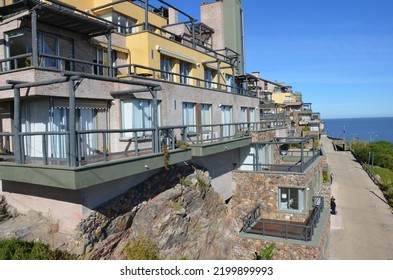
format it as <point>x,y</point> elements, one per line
<point>141,248</point>
<point>14,249</point>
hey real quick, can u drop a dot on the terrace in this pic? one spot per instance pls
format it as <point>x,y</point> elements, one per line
<point>254,224</point>
<point>289,155</point>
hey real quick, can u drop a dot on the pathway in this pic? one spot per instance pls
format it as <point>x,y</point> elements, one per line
<point>363,226</point>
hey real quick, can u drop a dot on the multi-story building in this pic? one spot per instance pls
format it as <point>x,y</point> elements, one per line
<point>97,96</point>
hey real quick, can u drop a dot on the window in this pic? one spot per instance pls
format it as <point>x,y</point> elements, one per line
<point>138,113</point>
<point>243,114</point>
<point>53,49</point>
<point>291,199</point>
<point>209,78</point>
<point>18,42</point>
<point>166,68</point>
<point>226,120</point>
<point>53,45</point>
<point>229,83</point>
<point>124,23</point>
<point>42,115</point>
<point>206,115</point>
<point>251,112</point>
<point>102,61</point>
<point>185,69</point>
<point>189,117</point>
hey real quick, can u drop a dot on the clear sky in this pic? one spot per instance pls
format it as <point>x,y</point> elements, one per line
<point>338,53</point>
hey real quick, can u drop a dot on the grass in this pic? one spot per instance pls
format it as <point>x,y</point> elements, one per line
<point>386,181</point>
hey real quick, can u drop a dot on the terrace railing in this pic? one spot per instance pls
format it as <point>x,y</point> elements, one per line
<point>254,224</point>
<point>101,145</point>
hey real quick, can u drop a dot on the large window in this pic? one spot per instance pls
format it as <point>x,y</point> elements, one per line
<point>166,68</point>
<point>210,75</point>
<point>101,59</point>
<point>138,113</point>
<point>291,199</point>
<point>124,24</point>
<point>54,50</point>
<point>185,69</point>
<point>43,115</point>
<point>189,116</point>
<point>226,120</point>
<point>206,115</point>
<point>229,83</point>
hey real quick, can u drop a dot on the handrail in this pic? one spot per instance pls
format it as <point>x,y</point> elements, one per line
<point>254,224</point>
<point>52,147</point>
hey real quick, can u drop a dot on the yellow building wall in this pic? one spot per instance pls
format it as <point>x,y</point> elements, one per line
<point>281,97</point>
<point>143,47</point>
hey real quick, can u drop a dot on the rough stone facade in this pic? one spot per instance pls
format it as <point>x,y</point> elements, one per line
<point>262,187</point>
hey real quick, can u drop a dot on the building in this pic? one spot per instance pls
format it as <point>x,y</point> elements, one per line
<point>97,96</point>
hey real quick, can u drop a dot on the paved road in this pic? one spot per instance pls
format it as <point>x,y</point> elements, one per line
<point>363,226</point>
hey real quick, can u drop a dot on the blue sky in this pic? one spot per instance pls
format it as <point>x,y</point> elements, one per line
<point>338,53</point>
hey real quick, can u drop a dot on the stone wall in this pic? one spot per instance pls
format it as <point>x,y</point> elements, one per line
<point>262,187</point>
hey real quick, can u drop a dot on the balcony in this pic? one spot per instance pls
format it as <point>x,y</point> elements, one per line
<point>254,224</point>
<point>287,155</point>
<point>47,158</point>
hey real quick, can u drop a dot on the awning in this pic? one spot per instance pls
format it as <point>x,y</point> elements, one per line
<point>81,104</point>
<point>105,45</point>
<point>176,55</point>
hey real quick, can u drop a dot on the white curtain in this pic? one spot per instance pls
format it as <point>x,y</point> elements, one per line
<point>226,118</point>
<point>57,147</point>
<point>189,116</point>
<point>87,121</point>
<point>34,119</point>
<point>229,83</point>
<point>138,113</point>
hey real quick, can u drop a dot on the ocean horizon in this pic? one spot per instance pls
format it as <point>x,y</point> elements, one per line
<point>365,129</point>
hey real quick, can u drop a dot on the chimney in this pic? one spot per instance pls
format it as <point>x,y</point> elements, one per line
<point>173,17</point>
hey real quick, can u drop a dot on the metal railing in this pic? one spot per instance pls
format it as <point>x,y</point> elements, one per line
<point>101,145</point>
<point>254,224</point>
<point>297,166</point>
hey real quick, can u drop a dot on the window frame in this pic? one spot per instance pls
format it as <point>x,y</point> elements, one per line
<point>288,193</point>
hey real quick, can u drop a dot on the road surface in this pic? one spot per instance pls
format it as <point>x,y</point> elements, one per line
<point>363,226</point>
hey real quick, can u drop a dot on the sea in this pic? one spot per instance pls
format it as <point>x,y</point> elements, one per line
<point>365,129</point>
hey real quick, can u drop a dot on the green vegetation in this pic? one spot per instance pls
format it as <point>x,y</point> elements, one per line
<point>266,253</point>
<point>325,177</point>
<point>185,181</point>
<point>141,248</point>
<point>378,159</point>
<point>14,249</point>
<point>382,151</point>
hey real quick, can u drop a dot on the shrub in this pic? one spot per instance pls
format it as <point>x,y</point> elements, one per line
<point>141,248</point>
<point>266,253</point>
<point>14,249</point>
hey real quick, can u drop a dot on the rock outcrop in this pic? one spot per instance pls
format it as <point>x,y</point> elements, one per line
<point>185,219</point>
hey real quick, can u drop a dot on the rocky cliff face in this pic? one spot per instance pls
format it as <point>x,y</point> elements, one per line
<point>185,219</point>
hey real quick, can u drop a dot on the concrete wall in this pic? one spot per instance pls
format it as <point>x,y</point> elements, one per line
<point>220,167</point>
<point>65,207</point>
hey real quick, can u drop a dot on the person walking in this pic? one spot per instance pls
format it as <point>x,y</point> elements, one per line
<point>333,205</point>
<point>331,178</point>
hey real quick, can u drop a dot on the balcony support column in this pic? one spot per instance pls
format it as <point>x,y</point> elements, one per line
<point>156,136</point>
<point>72,125</point>
<point>17,127</point>
<point>110,62</point>
<point>34,38</point>
<point>302,156</point>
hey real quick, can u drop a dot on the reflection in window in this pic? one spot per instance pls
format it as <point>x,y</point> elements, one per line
<point>291,199</point>
<point>185,69</point>
<point>189,116</point>
<point>138,113</point>
<point>166,68</point>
